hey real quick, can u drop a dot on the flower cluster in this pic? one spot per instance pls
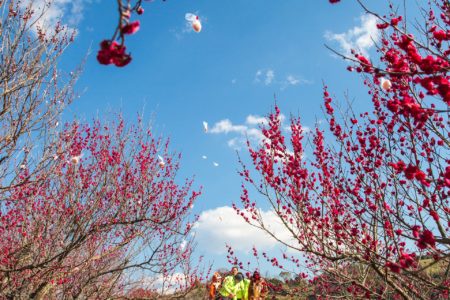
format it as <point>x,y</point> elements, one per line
<point>112,53</point>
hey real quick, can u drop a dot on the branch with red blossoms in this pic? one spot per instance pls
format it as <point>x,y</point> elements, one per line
<point>113,50</point>
<point>367,210</point>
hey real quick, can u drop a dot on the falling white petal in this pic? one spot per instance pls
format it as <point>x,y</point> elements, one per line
<point>194,22</point>
<point>215,164</point>
<point>205,126</point>
<point>204,157</point>
<point>161,163</point>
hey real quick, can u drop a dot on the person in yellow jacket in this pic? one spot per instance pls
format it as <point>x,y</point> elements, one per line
<point>241,287</point>
<point>227,291</point>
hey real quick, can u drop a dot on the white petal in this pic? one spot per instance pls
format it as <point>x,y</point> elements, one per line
<point>190,17</point>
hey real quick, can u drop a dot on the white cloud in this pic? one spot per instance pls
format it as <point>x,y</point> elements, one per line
<point>235,143</point>
<point>361,38</point>
<point>250,130</point>
<point>270,75</point>
<point>255,120</point>
<point>69,12</point>
<point>255,134</point>
<point>266,76</point>
<point>220,226</point>
<point>225,126</point>
<point>292,80</point>
<point>243,132</point>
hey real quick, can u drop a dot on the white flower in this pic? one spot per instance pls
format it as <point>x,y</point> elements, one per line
<point>386,84</point>
<point>76,159</point>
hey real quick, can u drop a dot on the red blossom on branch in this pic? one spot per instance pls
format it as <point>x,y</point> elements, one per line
<point>131,28</point>
<point>113,53</point>
<point>426,239</point>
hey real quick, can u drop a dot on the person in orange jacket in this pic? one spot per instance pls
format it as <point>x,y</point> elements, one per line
<point>214,286</point>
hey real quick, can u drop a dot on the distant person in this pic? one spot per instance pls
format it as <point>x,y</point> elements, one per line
<point>242,285</point>
<point>228,285</point>
<point>214,287</point>
<point>258,289</point>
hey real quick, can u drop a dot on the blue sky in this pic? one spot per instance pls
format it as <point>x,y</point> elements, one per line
<point>248,53</point>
